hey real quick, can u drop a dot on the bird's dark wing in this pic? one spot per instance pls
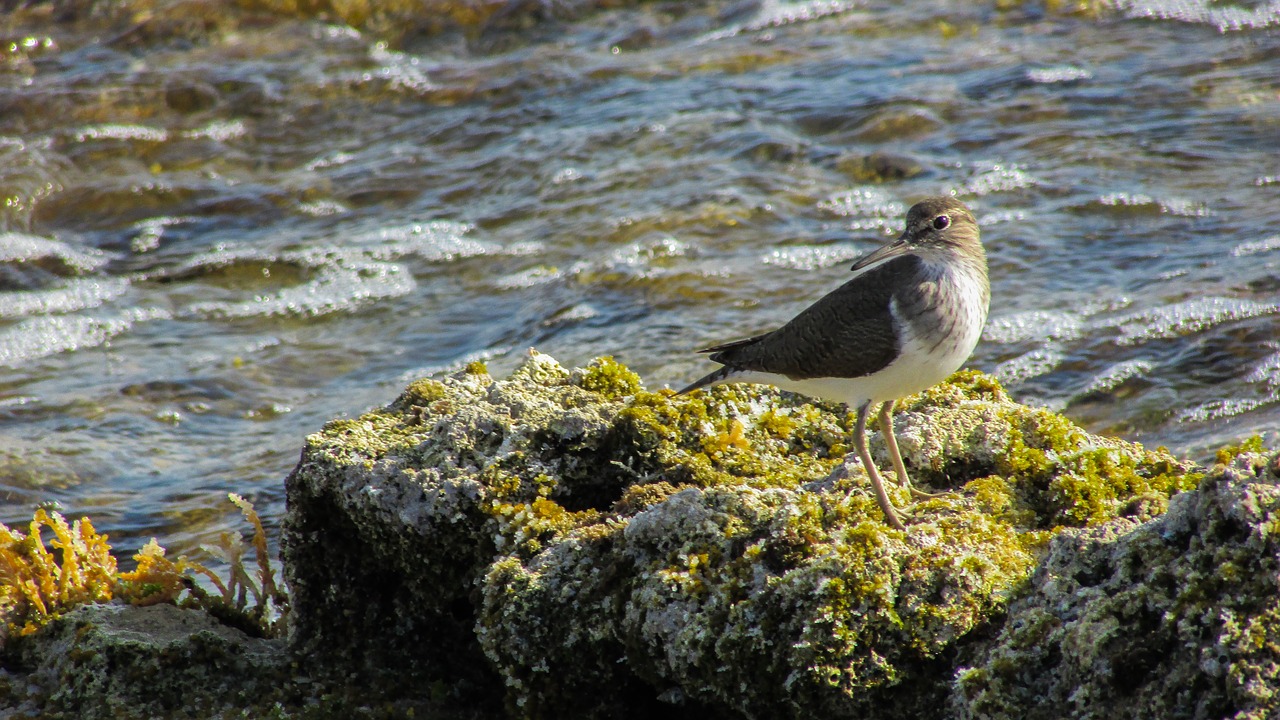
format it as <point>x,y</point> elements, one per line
<point>847,333</point>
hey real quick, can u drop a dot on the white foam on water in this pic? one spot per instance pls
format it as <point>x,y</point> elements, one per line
<point>20,247</point>
<point>75,294</point>
<point>539,275</point>
<point>1257,247</point>
<point>1219,409</point>
<point>439,240</point>
<point>1184,318</point>
<point>643,254</point>
<point>1034,325</point>
<point>642,259</point>
<point>1058,74</point>
<point>333,159</point>
<point>1127,199</point>
<point>151,230</point>
<point>338,279</point>
<point>322,208</point>
<point>39,337</point>
<point>1266,372</point>
<point>777,13</point>
<point>811,257</point>
<point>335,287</point>
<point>1034,363</point>
<point>115,131</point>
<point>220,130</point>
<point>869,208</point>
<point>1227,17</point>
<point>995,178</point>
<point>1117,375</point>
<point>401,71</point>
<point>1168,206</point>
<point>1001,217</point>
<point>1184,207</point>
<point>577,313</point>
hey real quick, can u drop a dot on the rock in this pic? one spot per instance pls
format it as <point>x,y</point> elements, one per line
<point>895,123</point>
<point>594,548</point>
<point>1175,618</point>
<point>583,548</point>
<point>121,661</point>
<point>879,166</point>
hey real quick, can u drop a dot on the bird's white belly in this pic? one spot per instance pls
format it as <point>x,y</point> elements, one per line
<point>910,373</point>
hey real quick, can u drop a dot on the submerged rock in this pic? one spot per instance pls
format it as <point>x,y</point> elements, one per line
<point>594,548</point>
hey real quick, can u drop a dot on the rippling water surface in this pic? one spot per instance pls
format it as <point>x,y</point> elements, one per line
<point>224,224</point>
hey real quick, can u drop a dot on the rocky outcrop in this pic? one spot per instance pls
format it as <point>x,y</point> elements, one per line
<point>591,547</point>
<point>125,661</point>
<point>563,543</point>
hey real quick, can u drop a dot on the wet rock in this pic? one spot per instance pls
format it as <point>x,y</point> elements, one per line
<point>190,97</point>
<point>896,123</point>
<point>879,167</point>
<point>121,661</point>
<point>593,549</point>
<point>586,548</point>
<point>636,38</point>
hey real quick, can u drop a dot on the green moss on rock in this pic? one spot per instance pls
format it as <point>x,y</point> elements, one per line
<point>601,544</point>
<point>605,376</point>
<point>1174,618</point>
<point>1033,466</point>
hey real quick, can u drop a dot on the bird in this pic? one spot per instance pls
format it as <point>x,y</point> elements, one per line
<point>909,317</point>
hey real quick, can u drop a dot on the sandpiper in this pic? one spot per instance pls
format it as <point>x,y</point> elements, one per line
<point>908,318</point>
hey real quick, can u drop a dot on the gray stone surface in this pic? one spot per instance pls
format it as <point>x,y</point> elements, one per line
<point>1175,618</point>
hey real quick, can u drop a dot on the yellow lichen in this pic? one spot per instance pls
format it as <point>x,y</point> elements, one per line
<point>157,579</point>
<point>733,437</point>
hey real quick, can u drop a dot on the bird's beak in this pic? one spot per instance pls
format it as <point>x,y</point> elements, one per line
<point>887,252</point>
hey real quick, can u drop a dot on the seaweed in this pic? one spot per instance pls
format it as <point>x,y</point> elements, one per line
<point>39,583</point>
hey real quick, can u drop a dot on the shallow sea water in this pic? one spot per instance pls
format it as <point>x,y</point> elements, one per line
<point>223,224</point>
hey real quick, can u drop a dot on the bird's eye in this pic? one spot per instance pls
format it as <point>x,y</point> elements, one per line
<point>941,222</point>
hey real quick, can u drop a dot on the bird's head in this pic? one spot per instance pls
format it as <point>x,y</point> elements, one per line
<point>936,226</point>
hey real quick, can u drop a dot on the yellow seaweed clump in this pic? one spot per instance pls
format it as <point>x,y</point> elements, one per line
<point>34,586</point>
<point>39,583</point>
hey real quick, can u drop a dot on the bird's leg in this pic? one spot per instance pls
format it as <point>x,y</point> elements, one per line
<point>891,442</point>
<point>860,440</point>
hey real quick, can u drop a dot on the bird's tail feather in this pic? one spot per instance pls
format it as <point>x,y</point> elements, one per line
<point>715,378</point>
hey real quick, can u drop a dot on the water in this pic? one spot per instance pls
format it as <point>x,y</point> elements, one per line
<point>224,225</point>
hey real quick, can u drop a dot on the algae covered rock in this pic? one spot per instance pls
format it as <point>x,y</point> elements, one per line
<point>595,548</point>
<point>1175,618</point>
